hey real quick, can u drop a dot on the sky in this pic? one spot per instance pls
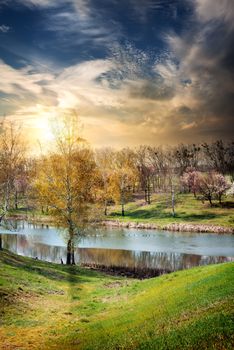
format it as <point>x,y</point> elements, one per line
<point>135,71</point>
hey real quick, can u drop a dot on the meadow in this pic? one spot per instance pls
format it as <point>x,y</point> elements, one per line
<point>188,210</point>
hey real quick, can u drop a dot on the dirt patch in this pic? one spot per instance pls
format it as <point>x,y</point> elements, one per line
<point>115,284</point>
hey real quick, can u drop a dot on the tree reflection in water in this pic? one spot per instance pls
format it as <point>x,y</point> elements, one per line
<point>113,258</point>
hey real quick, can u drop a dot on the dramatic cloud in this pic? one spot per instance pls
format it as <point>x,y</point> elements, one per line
<point>209,10</point>
<point>180,91</point>
<point>206,65</point>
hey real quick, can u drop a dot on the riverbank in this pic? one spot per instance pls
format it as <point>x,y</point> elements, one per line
<point>49,306</point>
<point>129,272</point>
<point>191,215</point>
<point>175,227</point>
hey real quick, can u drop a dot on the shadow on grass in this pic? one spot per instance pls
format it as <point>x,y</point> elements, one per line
<point>227,205</point>
<point>26,278</point>
<point>71,274</point>
<point>199,217</point>
<point>159,214</point>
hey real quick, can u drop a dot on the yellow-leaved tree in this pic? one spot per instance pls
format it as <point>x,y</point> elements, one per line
<point>66,179</point>
<point>123,178</point>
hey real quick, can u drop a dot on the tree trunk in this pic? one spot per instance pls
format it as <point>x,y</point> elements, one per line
<point>1,217</point>
<point>173,202</point>
<point>210,200</point>
<point>7,196</point>
<point>70,246</point>
<point>73,255</point>
<point>123,213</point>
<point>220,199</point>
<point>16,200</point>
<point>148,193</point>
<point>69,255</point>
<point>105,211</point>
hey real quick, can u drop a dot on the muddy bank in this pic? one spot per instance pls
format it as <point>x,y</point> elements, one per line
<point>126,272</point>
<point>176,227</point>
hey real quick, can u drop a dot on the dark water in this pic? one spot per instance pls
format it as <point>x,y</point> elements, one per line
<point>122,248</point>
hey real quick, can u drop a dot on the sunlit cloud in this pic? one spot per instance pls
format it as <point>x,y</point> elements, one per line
<point>131,95</point>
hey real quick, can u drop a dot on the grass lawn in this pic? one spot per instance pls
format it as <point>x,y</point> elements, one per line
<point>188,209</point>
<point>48,306</point>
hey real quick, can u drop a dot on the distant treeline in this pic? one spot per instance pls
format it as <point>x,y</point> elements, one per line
<point>73,172</point>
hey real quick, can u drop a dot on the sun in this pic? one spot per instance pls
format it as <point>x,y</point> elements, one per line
<point>42,127</point>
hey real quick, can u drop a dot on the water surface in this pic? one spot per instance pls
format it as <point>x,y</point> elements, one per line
<point>122,247</point>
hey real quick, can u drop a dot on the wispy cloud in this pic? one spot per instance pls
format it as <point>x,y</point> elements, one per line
<point>81,22</point>
<point>77,21</point>
<point>4,29</point>
<point>143,9</point>
<point>38,3</point>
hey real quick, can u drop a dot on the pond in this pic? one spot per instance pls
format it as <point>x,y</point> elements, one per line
<point>120,248</point>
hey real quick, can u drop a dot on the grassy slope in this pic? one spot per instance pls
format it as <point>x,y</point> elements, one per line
<point>188,210</point>
<point>48,306</point>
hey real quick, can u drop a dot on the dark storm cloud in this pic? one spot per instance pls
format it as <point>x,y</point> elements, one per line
<point>152,90</point>
<point>206,57</point>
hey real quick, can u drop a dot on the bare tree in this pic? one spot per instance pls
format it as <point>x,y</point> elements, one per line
<point>219,156</point>
<point>187,156</point>
<point>12,158</point>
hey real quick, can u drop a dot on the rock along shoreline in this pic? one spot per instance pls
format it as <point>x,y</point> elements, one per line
<point>176,227</point>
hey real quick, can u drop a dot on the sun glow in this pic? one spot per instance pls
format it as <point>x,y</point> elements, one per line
<point>43,129</point>
<point>42,123</point>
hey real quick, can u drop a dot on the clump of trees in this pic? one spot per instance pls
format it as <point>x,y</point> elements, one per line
<point>76,184</point>
<point>122,178</point>
<point>190,179</point>
<point>13,165</point>
<point>219,156</point>
<point>211,185</point>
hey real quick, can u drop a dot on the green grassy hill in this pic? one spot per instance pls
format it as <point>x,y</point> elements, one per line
<point>48,306</point>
